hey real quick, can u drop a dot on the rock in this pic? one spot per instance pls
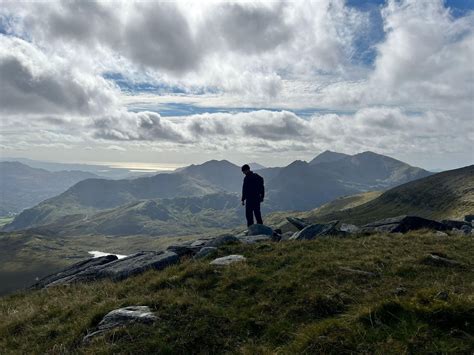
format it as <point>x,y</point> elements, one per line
<point>315,230</point>
<point>403,224</point>
<point>358,272</point>
<point>469,218</point>
<point>297,222</point>
<point>252,239</point>
<point>227,260</point>
<point>183,249</point>
<point>349,228</point>
<point>75,269</point>
<point>259,229</point>
<point>451,223</point>
<point>466,230</point>
<point>122,317</point>
<point>200,242</point>
<point>122,268</point>
<point>435,259</point>
<point>440,234</point>
<point>286,236</point>
<point>442,295</point>
<point>205,252</point>
<point>222,240</point>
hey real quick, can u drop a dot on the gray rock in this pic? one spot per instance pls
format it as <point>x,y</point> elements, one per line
<point>316,230</point>
<point>183,249</point>
<point>222,240</point>
<point>252,239</point>
<point>200,242</point>
<point>227,260</point>
<point>75,269</point>
<point>349,228</point>
<point>435,259</point>
<point>440,234</point>
<point>466,230</point>
<point>357,272</point>
<point>259,229</point>
<point>297,222</point>
<point>286,236</point>
<point>469,218</point>
<point>122,268</point>
<point>206,252</point>
<point>451,223</point>
<point>122,317</point>
<point>403,224</point>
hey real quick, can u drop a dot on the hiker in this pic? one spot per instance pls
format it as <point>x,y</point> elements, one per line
<point>253,192</point>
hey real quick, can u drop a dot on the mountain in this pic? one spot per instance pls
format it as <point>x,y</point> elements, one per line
<point>158,217</point>
<point>220,173</point>
<point>22,186</point>
<point>92,195</point>
<point>449,194</point>
<point>256,166</point>
<point>327,157</point>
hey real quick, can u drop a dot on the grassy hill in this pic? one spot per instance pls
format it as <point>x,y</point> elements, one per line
<point>448,194</point>
<point>287,298</point>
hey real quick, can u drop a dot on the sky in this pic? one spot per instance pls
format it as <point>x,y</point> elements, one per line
<point>175,83</point>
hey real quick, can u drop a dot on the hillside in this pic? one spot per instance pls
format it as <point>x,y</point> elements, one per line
<point>22,186</point>
<point>289,298</point>
<point>448,194</point>
<point>327,157</point>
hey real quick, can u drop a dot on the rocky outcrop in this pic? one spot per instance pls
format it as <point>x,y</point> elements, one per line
<point>436,259</point>
<point>206,252</point>
<point>259,229</point>
<point>122,317</point>
<point>252,239</point>
<point>227,260</point>
<point>455,224</point>
<point>403,224</point>
<point>316,230</point>
<point>114,270</point>
<point>297,222</point>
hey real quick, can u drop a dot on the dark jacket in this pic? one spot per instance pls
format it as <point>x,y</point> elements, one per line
<point>253,189</point>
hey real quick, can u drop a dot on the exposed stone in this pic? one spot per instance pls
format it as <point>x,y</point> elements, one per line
<point>183,249</point>
<point>467,230</point>
<point>200,242</point>
<point>469,218</point>
<point>75,269</point>
<point>357,272</point>
<point>451,223</point>
<point>440,234</point>
<point>222,240</point>
<point>436,259</point>
<point>259,229</point>
<point>252,239</point>
<point>227,260</point>
<point>403,224</point>
<point>286,236</point>
<point>122,317</point>
<point>297,222</point>
<point>206,252</point>
<point>316,230</point>
<point>349,228</point>
<point>122,268</point>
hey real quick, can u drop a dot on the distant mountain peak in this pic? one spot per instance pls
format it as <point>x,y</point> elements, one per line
<point>328,156</point>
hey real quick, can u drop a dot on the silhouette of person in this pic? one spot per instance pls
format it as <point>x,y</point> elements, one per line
<point>253,192</point>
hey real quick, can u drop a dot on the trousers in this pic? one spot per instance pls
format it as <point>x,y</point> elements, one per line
<point>253,208</point>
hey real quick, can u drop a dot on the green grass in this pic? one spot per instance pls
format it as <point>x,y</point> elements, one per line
<point>288,298</point>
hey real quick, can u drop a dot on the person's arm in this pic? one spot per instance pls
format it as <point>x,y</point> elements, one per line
<point>262,189</point>
<point>244,190</point>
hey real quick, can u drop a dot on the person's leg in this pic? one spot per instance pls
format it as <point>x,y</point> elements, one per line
<point>258,214</point>
<point>249,213</point>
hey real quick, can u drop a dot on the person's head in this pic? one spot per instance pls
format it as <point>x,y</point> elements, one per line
<point>245,169</point>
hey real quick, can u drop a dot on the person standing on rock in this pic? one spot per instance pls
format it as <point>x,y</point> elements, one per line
<point>253,192</point>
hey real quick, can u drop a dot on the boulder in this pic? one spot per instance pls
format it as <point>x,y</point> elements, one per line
<point>297,222</point>
<point>122,317</point>
<point>286,236</point>
<point>75,269</point>
<point>122,268</point>
<point>183,249</point>
<point>452,223</point>
<point>227,260</point>
<point>259,229</point>
<point>440,234</point>
<point>316,230</point>
<point>469,218</point>
<point>403,224</point>
<point>349,228</point>
<point>222,240</point>
<point>205,252</point>
<point>252,239</point>
<point>466,230</point>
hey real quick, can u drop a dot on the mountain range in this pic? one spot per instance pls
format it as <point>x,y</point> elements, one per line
<point>22,186</point>
<point>99,203</point>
